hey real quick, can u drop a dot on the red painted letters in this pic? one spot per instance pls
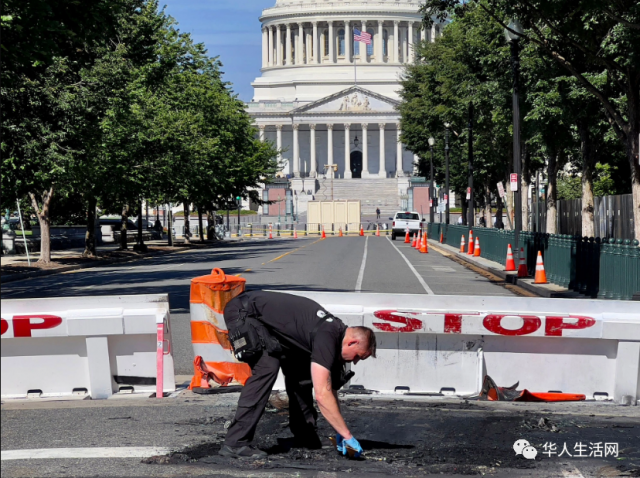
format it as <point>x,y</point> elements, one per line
<point>493,323</point>
<point>22,325</point>
<point>4,326</point>
<point>452,323</point>
<point>555,325</point>
<point>410,325</point>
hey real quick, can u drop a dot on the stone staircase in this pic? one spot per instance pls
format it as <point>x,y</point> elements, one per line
<point>371,192</point>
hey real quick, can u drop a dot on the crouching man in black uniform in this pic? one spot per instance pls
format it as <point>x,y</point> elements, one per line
<point>311,346</point>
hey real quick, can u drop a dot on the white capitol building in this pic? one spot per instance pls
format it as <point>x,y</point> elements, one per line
<point>327,100</point>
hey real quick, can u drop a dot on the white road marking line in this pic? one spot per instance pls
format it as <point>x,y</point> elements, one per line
<point>54,453</point>
<point>364,263</point>
<point>413,269</point>
<point>575,473</point>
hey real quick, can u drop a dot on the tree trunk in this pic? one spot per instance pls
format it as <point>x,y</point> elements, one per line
<point>200,224</point>
<point>552,194</point>
<point>588,164</point>
<point>487,205</point>
<point>525,182</point>
<point>45,224</point>
<point>123,228</point>
<point>90,234</point>
<point>633,148</point>
<point>499,212</point>
<point>187,226</point>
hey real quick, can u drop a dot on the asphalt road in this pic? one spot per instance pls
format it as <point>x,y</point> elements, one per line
<point>402,438</point>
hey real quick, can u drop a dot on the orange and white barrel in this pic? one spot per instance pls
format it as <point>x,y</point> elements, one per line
<point>209,335</point>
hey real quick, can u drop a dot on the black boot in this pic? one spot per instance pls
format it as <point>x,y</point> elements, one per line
<point>241,452</point>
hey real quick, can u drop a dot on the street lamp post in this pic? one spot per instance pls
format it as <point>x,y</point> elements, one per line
<point>471,211</point>
<point>513,33</point>
<point>432,213</point>
<point>238,200</point>
<point>446,155</point>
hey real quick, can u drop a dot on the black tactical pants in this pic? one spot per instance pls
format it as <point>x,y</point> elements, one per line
<point>296,367</point>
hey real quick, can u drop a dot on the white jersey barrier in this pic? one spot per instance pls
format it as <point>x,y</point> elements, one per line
<point>86,345</point>
<point>447,344</point>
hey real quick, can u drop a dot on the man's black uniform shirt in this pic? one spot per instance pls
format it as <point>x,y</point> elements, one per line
<point>292,317</point>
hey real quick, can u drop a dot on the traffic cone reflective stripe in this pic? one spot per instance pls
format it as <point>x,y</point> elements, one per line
<point>470,251</point>
<point>462,244</point>
<point>522,268</point>
<point>541,275</point>
<point>476,248</point>
<point>511,264</point>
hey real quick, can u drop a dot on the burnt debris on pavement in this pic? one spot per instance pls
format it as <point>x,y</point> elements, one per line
<point>402,437</point>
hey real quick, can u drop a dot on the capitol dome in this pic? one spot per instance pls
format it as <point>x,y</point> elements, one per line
<point>327,95</point>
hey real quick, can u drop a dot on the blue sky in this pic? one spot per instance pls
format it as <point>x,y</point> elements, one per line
<point>230,29</point>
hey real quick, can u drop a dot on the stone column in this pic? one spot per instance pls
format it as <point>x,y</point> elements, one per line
<point>365,150</point>
<point>423,32</point>
<point>288,45</point>
<point>383,168</point>
<point>314,162</point>
<point>433,32</point>
<point>271,62</point>
<point>296,151</point>
<point>363,47</point>
<point>380,49</point>
<point>396,41</point>
<point>330,149</point>
<point>279,45</point>
<point>332,43</point>
<point>279,146</point>
<point>405,45</point>
<point>265,48</point>
<point>316,44</point>
<point>348,40</point>
<point>410,42</point>
<point>300,46</point>
<point>261,128</point>
<point>347,151</point>
<point>399,170</point>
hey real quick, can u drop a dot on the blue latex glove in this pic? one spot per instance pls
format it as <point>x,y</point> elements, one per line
<point>339,443</point>
<point>352,443</point>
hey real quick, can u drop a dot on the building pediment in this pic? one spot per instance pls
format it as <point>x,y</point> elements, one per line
<point>350,101</point>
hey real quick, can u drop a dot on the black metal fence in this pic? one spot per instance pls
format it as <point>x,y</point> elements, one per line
<point>602,268</point>
<point>613,217</point>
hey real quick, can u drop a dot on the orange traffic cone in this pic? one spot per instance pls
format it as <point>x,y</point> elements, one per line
<point>462,244</point>
<point>324,235</point>
<point>541,275</point>
<point>413,241</point>
<point>270,231</point>
<point>441,237</point>
<point>407,238</point>
<point>470,251</point>
<point>361,230</point>
<point>295,232</point>
<point>522,268</point>
<point>511,264</point>
<point>378,230</point>
<point>340,233</point>
<point>424,248</point>
<point>476,248</point>
<point>419,241</point>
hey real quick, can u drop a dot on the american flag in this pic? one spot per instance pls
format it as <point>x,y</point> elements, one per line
<point>363,37</point>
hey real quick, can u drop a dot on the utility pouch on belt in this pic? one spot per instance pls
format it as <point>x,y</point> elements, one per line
<point>249,337</point>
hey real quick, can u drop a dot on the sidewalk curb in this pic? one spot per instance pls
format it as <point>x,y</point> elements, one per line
<point>511,277</point>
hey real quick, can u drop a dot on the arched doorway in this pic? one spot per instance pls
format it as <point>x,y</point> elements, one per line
<point>356,164</point>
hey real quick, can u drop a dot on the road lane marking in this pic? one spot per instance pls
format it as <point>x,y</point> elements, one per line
<point>290,252</point>
<point>413,269</point>
<point>364,263</point>
<point>74,453</point>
